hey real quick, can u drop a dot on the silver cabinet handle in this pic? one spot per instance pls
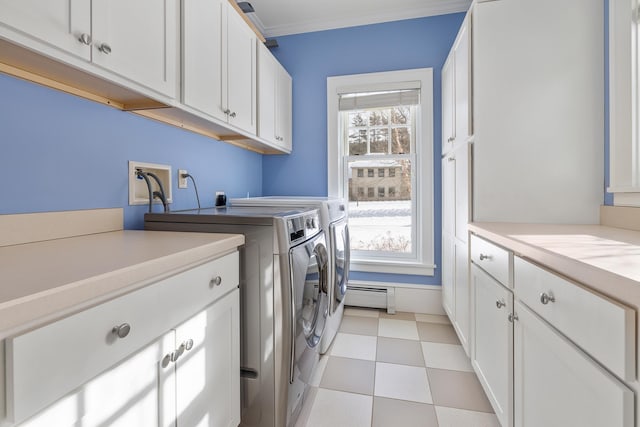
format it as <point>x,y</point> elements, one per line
<point>232,114</point>
<point>85,39</point>
<point>500,303</point>
<point>546,298</point>
<point>216,281</point>
<point>483,257</point>
<point>512,317</point>
<point>121,331</point>
<point>104,48</point>
<point>451,159</point>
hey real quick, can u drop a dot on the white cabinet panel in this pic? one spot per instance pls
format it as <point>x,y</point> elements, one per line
<point>461,155</point>
<point>556,384</point>
<point>462,294</point>
<point>492,355</point>
<point>462,78</point>
<point>58,23</point>
<point>448,284</point>
<point>208,374</point>
<point>491,258</point>
<point>448,104</point>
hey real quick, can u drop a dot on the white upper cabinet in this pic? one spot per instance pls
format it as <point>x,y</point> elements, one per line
<point>62,24</point>
<point>219,63</point>
<point>138,40</point>
<point>274,101</point>
<point>106,32</point>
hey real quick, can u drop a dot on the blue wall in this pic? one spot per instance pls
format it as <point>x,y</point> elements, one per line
<point>312,57</point>
<point>60,152</point>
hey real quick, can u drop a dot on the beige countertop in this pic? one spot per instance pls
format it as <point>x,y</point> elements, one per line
<point>606,259</point>
<point>43,281</point>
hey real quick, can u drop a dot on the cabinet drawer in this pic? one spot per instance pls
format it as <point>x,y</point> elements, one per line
<point>49,362</point>
<point>491,258</point>
<point>603,328</point>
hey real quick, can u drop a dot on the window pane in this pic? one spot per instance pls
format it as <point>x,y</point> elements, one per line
<point>381,221</point>
<point>379,139</point>
<point>401,140</point>
<point>359,118</point>
<point>360,173</point>
<point>400,116</point>
<point>370,173</point>
<point>379,118</point>
<point>381,173</point>
<point>357,142</point>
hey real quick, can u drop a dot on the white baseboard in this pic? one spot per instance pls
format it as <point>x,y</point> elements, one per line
<point>424,299</point>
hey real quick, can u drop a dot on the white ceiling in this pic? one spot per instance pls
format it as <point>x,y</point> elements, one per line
<point>281,17</point>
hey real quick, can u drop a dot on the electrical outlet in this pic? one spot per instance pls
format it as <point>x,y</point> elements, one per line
<point>182,181</point>
<point>138,190</point>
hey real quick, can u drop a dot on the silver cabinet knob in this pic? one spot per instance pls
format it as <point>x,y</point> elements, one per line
<point>85,39</point>
<point>226,111</point>
<point>500,303</point>
<point>121,331</point>
<point>232,114</point>
<point>483,257</point>
<point>166,360</point>
<point>104,48</point>
<point>512,317</point>
<point>450,139</point>
<point>188,344</point>
<point>546,298</point>
<point>451,159</point>
<point>216,281</point>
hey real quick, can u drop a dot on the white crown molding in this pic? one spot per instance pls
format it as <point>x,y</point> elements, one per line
<point>453,6</point>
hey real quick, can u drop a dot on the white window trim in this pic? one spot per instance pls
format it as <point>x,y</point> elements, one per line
<point>424,263</point>
<point>624,159</point>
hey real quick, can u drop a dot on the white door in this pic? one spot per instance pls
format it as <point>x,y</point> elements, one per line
<point>138,40</point>
<point>241,72</point>
<point>208,371</point>
<point>202,56</point>
<point>492,356</point>
<point>57,23</point>
<point>448,104</point>
<point>462,293</point>
<point>557,385</point>
<point>139,392</point>
<point>284,109</point>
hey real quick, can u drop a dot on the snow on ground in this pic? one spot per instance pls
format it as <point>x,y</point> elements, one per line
<point>388,223</point>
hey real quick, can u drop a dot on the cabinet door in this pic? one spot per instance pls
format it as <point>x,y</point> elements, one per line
<point>462,293</point>
<point>58,23</point>
<point>267,94</point>
<point>556,384</point>
<point>448,104</point>
<point>240,72</point>
<point>208,374</point>
<point>202,56</point>
<point>139,392</point>
<point>448,194</point>
<point>462,78</point>
<point>461,194</point>
<point>492,355</point>
<point>284,109</point>
<point>142,39</point>
<point>448,265</point>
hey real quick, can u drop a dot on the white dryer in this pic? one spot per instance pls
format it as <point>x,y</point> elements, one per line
<point>334,221</point>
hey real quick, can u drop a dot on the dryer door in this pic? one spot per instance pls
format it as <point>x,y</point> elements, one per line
<point>339,234</point>
<point>309,276</point>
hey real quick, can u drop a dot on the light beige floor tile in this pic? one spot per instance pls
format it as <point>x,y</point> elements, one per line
<point>393,412</point>
<point>363,312</point>
<point>452,417</point>
<point>350,375</point>
<point>399,351</point>
<point>433,332</point>
<point>320,367</point>
<point>354,346</point>
<point>455,389</point>
<point>445,356</point>
<point>359,325</point>
<point>338,409</point>
<point>433,318</point>
<point>402,382</point>
<point>399,315</point>
<point>405,329</point>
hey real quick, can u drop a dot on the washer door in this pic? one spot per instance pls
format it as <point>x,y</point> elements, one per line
<point>309,278</point>
<point>339,234</point>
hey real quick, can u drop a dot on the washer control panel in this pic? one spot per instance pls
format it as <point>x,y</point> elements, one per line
<point>303,226</point>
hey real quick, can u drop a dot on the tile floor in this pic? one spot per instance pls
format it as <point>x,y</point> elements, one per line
<point>395,370</point>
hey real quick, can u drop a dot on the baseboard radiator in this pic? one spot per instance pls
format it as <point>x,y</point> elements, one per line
<point>371,297</point>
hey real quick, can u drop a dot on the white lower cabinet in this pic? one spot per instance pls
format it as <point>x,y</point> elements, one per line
<point>556,384</point>
<point>492,354</point>
<point>207,374</point>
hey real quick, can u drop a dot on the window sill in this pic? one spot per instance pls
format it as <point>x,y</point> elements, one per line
<point>392,267</point>
<point>625,196</point>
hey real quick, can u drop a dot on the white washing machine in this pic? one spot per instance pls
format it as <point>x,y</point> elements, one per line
<point>334,222</point>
